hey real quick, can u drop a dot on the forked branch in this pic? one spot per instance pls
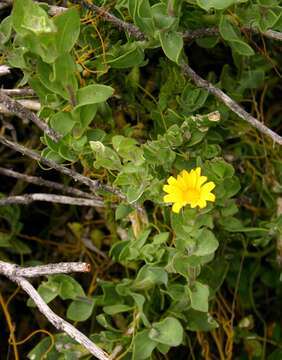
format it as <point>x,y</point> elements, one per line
<point>18,275</point>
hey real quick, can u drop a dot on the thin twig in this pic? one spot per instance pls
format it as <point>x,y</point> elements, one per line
<point>231,104</point>
<point>11,270</point>
<point>16,108</point>
<point>214,31</point>
<point>19,92</point>
<point>131,29</point>
<point>59,199</point>
<point>200,33</point>
<point>5,70</point>
<point>39,270</point>
<point>50,184</point>
<point>94,185</point>
<point>32,105</point>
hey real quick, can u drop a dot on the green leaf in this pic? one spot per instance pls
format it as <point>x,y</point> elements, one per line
<point>162,20</point>
<point>5,29</point>
<point>143,345</point>
<point>161,238</point>
<point>206,243</point>
<point>68,28</point>
<point>128,149</point>
<point>168,331</point>
<point>122,211</point>
<point>129,55</point>
<point>172,44</point>
<point>200,321</point>
<point>231,34</point>
<point>80,309</point>
<point>215,4</point>
<point>69,288</point>
<point>199,296</point>
<point>62,122</point>
<point>64,73</point>
<point>93,94</point>
<point>150,276</point>
<point>116,309</point>
<point>29,17</point>
<point>105,156</point>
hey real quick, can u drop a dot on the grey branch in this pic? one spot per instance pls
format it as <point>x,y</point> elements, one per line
<point>94,185</point>
<point>39,270</point>
<point>4,70</point>
<point>50,184</point>
<point>11,272</point>
<point>131,29</point>
<point>59,199</point>
<point>214,31</point>
<point>32,105</point>
<point>19,92</point>
<point>17,109</point>
<point>231,104</point>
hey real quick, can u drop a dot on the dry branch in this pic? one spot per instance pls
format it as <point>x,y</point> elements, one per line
<point>131,29</point>
<point>231,104</point>
<point>17,275</point>
<point>39,270</point>
<point>59,199</point>
<point>17,109</point>
<point>50,184</point>
<point>4,70</point>
<point>19,92</point>
<point>214,31</point>
<point>94,185</point>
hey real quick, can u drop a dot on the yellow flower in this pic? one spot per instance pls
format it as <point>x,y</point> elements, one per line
<point>188,188</point>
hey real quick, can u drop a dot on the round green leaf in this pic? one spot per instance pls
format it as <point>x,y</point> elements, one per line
<point>168,331</point>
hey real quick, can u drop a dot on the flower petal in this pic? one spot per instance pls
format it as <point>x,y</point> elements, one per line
<point>201,180</point>
<point>210,197</point>
<point>207,187</point>
<point>177,206</point>
<point>168,188</point>
<point>171,180</point>
<point>170,198</point>
<point>202,203</point>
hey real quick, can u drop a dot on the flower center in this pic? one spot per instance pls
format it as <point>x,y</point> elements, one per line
<point>191,195</point>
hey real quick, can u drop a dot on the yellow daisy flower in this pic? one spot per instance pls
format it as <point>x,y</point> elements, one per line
<point>188,188</point>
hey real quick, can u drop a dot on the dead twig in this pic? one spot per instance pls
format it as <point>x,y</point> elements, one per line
<point>59,199</point>
<point>19,92</point>
<point>49,184</point>
<point>94,185</point>
<point>131,29</point>
<point>18,275</point>
<point>231,104</point>
<point>23,113</point>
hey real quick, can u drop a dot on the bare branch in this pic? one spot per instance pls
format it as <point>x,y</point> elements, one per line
<point>94,185</point>
<point>17,109</point>
<point>4,70</point>
<point>271,34</point>
<point>54,10</point>
<point>9,271</point>
<point>39,270</point>
<point>200,33</point>
<point>231,104</point>
<point>214,31</point>
<point>59,199</point>
<point>19,92</point>
<point>50,184</point>
<point>131,29</point>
